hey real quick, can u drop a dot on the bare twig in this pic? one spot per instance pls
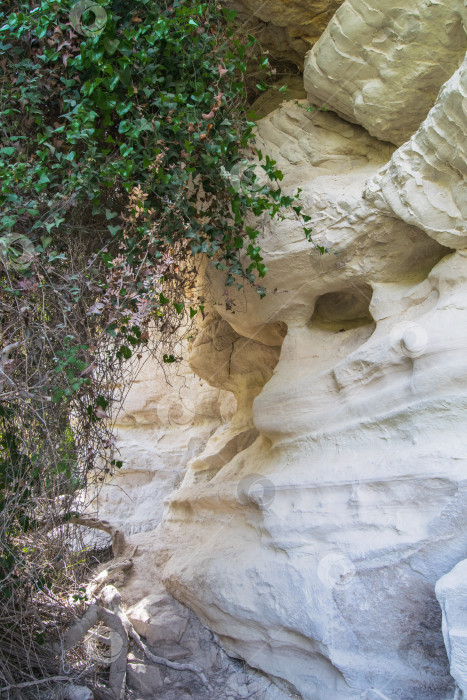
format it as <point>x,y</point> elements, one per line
<point>51,679</point>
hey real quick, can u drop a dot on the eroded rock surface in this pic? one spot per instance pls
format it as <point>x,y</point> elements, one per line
<point>314,552</point>
<point>424,183</point>
<point>348,506</point>
<point>173,633</point>
<point>381,64</point>
<point>168,417</point>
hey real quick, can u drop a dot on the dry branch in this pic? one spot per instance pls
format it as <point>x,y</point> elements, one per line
<point>111,614</point>
<point>52,679</point>
<point>118,538</point>
<point>104,576</point>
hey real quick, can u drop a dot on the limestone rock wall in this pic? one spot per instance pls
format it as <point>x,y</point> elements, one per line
<point>424,183</point>
<point>315,549</point>
<point>314,552</point>
<point>318,508</point>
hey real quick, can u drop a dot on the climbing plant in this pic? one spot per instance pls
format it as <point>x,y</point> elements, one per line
<point>125,152</point>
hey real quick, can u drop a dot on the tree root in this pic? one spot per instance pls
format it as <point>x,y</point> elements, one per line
<point>109,612</point>
<point>119,545</point>
<point>118,638</point>
<point>165,662</point>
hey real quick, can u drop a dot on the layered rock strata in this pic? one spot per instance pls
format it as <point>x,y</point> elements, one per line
<point>168,417</point>
<point>314,551</point>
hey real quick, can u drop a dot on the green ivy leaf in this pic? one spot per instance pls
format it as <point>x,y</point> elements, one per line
<point>123,107</point>
<point>124,352</point>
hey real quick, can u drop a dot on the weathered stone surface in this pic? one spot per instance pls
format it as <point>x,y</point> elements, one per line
<point>314,551</point>
<point>197,644</point>
<point>451,591</point>
<point>330,160</point>
<point>382,65</point>
<point>287,28</point>
<point>73,692</point>
<point>146,679</point>
<point>425,182</point>
<point>169,415</point>
<point>155,618</point>
<point>236,363</point>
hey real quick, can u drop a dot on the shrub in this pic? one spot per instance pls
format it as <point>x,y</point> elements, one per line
<point>123,159</point>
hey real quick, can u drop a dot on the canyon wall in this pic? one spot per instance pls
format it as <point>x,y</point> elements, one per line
<point>321,469</point>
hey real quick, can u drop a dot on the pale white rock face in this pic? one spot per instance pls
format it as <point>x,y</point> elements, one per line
<point>381,64</point>
<point>424,183</point>
<point>313,553</point>
<point>330,160</point>
<point>314,550</point>
<point>312,523</point>
<point>169,415</point>
<point>451,591</point>
<point>154,618</point>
